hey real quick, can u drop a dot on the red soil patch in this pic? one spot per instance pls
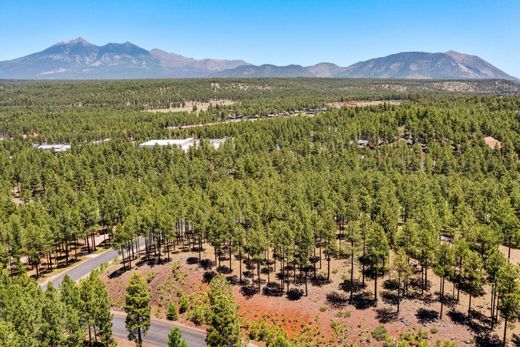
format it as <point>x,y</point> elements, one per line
<point>317,311</point>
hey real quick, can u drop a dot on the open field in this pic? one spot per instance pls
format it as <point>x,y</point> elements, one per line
<point>192,106</point>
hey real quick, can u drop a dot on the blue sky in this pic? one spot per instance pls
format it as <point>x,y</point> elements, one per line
<point>279,32</point>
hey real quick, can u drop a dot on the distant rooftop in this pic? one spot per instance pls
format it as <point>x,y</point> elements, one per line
<point>56,147</point>
<point>493,143</point>
<point>184,144</point>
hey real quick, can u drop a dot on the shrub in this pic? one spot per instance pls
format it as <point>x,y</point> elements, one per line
<point>171,313</point>
<point>380,333</point>
<point>184,304</point>
<point>150,276</point>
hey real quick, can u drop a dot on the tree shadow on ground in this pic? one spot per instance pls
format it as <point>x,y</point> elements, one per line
<point>244,282</point>
<point>222,269</point>
<point>320,280</point>
<point>272,289</point>
<point>337,300</point>
<point>363,300</point>
<point>207,264</point>
<point>481,318</point>
<point>488,340</point>
<point>515,339</point>
<point>473,324</point>
<point>386,315</point>
<point>294,294</point>
<point>265,270</point>
<point>389,297</point>
<point>425,316</point>
<point>249,291</point>
<point>248,274</point>
<point>208,276</point>
<point>192,260</point>
<point>356,286</point>
<point>390,284</point>
<point>118,272</point>
<point>416,284</point>
<point>233,280</point>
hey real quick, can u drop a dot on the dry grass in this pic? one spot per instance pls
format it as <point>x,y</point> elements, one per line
<point>189,106</point>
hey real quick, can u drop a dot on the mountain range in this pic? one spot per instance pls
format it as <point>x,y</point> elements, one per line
<point>80,59</point>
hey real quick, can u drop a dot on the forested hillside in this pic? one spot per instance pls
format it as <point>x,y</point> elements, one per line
<point>424,189</point>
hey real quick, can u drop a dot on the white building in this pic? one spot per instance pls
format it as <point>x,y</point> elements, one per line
<point>184,144</point>
<point>56,147</point>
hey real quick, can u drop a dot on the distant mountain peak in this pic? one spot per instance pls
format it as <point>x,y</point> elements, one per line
<point>80,59</point>
<point>77,41</point>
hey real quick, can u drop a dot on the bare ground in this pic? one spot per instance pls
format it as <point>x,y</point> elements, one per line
<point>325,304</point>
<point>188,106</point>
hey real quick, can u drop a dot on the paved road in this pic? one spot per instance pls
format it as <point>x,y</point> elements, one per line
<point>77,272</point>
<point>158,333</point>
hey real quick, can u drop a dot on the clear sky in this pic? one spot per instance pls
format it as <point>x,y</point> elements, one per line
<point>279,32</point>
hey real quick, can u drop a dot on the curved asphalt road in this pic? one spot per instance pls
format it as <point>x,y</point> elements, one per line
<point>158,333</point>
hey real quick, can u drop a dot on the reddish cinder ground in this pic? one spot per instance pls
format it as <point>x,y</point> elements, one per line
<point>314,314</point>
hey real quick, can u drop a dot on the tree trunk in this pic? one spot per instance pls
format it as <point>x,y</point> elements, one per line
<point>240,263</point>
<point>258,272</point>
<point>398,293</point>
<point>200,248</point>
<point>505,332</point>
<point>493,305</point>
<point>469,307</point>
<point>230,256</point>
<point>375,289</point>
<point>306,291</point>
<point>363,269</point>
<point>328,268</point>
<point>442,296</point>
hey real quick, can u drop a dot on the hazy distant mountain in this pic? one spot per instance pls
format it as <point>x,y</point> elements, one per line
<point>408,65</point>
<point>80,59</point>
<point>173,60</point>
<point>420,65</point>
<point>325,70</point>
<point>266,70</point>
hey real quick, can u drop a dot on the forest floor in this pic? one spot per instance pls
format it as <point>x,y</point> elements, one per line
<point>357,103</point>
<point>326,302</point>
<point>188,106</point>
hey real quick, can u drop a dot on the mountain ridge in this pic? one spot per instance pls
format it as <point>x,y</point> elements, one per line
<point>81,59</point>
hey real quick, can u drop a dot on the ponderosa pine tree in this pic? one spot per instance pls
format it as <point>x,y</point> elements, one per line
<point>175,338</point>
<point>472,277</point>
<point>137,308</point>
<point>224,326</point>
<point>377,253</point>
<point>70,297</point>
<point>509,296</point>
<point>444,262</point>
<point>95,313</point>
<point>403,270</point>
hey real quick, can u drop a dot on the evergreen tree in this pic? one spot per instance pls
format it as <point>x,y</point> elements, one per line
<point>377,253</point>
<point>443,266</point>
<point>175,338</point>
<point>224,329</point>
<point>70,297</point>
<point>404,271</point>
<point>95,313</point>
<point>137,308</point>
